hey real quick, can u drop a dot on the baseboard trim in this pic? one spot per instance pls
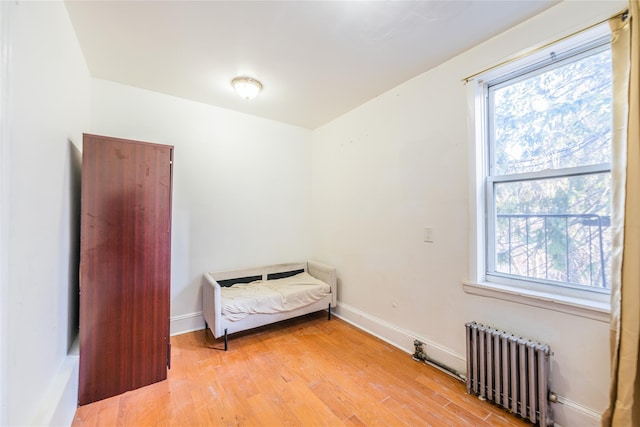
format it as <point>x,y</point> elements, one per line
<point>569,413</point>
<point>399,337</point>
<point>186,323</point>
<point>60,402</point>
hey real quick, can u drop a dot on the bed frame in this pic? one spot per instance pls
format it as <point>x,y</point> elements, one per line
<point>213,283</point>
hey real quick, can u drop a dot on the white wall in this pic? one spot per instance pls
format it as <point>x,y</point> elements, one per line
<point>249,191</point>
<point>399,163</point>
<point>241,185</point>
<point>48,108</point>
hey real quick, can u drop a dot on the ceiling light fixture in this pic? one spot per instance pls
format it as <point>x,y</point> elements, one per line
<point>246,87</point>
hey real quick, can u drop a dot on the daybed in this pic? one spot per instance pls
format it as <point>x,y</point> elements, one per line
<point>234,301</point>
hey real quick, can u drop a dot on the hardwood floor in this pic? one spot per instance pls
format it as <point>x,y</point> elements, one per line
<point>302,372</point>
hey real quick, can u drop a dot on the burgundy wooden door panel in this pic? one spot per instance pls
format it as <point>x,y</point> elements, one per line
<point>125,260</point>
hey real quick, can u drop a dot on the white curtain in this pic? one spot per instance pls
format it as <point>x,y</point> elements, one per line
<point>624,403</point>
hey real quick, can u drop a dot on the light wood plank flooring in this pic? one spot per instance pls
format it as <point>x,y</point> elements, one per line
<point>302,372</point>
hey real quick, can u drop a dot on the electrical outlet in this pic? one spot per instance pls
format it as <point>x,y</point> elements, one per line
<point>428,234</point>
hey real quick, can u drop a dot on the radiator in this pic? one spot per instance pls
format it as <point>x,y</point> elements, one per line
<point>510,371</point>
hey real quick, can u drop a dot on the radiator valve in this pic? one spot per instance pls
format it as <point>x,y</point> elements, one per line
<point>419,353</point>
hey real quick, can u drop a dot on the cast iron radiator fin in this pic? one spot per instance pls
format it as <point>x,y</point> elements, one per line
<point>510,371</point>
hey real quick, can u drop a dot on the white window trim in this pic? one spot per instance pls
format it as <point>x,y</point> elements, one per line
<point>592,305</point>
<point>5,45</point>
<point>583,307</point>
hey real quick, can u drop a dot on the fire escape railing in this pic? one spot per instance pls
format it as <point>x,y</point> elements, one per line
<point>560,223</point>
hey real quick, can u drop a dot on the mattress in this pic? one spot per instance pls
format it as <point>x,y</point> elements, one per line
<point>272,296</point>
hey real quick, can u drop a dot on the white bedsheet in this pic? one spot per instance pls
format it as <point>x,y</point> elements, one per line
<point>271,296</point>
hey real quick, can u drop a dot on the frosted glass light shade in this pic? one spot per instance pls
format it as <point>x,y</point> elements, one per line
<point>246,87</point>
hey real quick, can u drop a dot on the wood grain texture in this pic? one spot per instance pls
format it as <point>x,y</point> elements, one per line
<point>125,258</point>
<point>301,372</point>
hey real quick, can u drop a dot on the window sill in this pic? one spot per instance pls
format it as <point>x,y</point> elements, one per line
<point>582,307</point>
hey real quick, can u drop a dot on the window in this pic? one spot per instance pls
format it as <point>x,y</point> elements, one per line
<point>547,154</point>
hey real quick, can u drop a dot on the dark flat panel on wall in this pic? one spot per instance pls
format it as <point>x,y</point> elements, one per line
<point>230,282</point>
<point>125,260</point>
<point>284,274</point>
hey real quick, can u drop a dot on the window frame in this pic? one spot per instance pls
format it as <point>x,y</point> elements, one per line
<point>581,300</point>
<point>490,181</point>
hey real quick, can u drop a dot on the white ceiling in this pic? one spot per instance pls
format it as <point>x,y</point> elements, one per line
<point>316,59</point>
